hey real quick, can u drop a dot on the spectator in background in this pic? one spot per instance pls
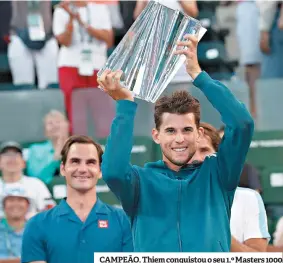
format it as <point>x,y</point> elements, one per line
<point>248,216</point>
<point>16,205</point>
<point>44,158</point>
<point>122,18</point>
<point>250,175</point>
<point>84,31</point>
<point>248,36</point>
<point>11,166</point>
<point>5,18</point>
<point>32,45</point>
<point>271,37</point>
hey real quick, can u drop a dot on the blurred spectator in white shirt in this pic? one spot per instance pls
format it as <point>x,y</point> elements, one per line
<point>248,222</point>
<point>15,205</point>
<point>84,31</point>
<point>11,166</point>
<point>32,47</point>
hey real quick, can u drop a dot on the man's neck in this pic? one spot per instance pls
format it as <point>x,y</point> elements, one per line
<point>53,141</point>
<point>11,177</point>
<point>81,203</point>
<point>16,224</point>
<point>170,165</point>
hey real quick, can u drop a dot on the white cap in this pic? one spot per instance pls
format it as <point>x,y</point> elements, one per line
<point>17,192</point>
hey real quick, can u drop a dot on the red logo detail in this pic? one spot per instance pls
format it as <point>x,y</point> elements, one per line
<point>103,223</point>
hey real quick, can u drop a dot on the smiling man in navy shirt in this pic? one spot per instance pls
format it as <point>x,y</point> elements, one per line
<point>82,224</point>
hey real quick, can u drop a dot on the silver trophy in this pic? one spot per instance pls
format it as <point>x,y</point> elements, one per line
<point>146,53</point>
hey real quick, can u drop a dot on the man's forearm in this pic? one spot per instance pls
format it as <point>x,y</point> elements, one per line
<point>116,169</point>
<point>117,154</point>
<point>272,248</point>
<point>190,8</point>
<point>65,38</point>
<point>236,246</point>
<point>16,260</point>
<point>232,111</point>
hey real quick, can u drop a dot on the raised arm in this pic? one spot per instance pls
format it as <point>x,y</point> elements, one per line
<point>239,123</point>
<point>238,131</point>
<point>117,171</point>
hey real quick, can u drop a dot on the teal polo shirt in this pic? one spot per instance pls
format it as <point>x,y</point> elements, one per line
<point>59,236</point>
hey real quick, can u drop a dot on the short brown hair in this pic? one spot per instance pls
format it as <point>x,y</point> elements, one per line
<point>83,140</point>
<point>180,102</point>
<point>212,133</point>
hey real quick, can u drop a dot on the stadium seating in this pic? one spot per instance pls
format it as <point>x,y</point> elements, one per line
<point>213,58</point>
<point>53,86</point>
<point>269,96</point>
<point>266,150</point>
<point>11,87</point>
<point>4,63</point>
<point>272,185</point>
<point>208,20</point>
<point>22,112</point>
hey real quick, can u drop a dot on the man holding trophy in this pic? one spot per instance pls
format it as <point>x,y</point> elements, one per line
<point>175,206</point>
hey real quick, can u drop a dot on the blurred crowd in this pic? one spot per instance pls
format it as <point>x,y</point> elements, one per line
<point>66,43</point>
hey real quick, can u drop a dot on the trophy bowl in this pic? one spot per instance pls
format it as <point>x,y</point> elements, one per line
<point>146,53</point>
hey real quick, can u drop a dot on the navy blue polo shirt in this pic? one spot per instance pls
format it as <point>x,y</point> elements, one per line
<point>58,235</point>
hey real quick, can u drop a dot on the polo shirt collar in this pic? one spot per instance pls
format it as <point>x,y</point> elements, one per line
<point>98,209</point>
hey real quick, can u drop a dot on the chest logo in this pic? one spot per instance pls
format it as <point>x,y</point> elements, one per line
<point>103,223</point>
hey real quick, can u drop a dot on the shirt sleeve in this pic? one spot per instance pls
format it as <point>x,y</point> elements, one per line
<point>103,21</point>
<point>60,20</point>
<point>267,11</point>
<point>239,128</point>
<point>256,219</point>
<point>33,243</point>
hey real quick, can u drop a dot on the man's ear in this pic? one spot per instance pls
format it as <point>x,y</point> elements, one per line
<point>155,135</point>
<point>200,133</point>
<point>62,169</point>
